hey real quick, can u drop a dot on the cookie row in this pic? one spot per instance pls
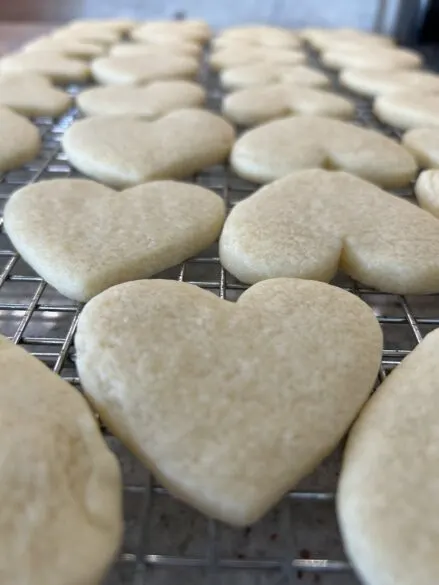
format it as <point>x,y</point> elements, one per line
<point>308,225</point>
<point>405,97</point>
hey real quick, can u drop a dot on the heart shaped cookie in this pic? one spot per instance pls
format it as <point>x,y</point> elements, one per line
<point>161,31</point>
<point>237,56</point>
<point>125,150</point>
<point>278,148</point>
<point>149,102</point>
<point>137,69</point>
<point>230,405</point>
<point>266,73</point>
<point>371,58</point>
<point>423,143</point>
<point>373,82</point>
<point>75,49</point>
<point>253,106</point>
<point>30,94</point>
<point>408,109</point>
<point>119,25</point>
<point>51,64</point>
<point>188,48</point>
<point>83,237</point>
<point>19,140</point>
<point>89,34</point>
<point>59,479</point>
<point>324,38</point>
<point>311,223</point>
<point>387,494</point>
<point>427,191</point>
<point>257,35</point>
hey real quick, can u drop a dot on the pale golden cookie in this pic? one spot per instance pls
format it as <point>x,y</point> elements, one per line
<point>126,150</point>
<point>230,426</point>
<point>149,102</point>
<point>372,58</point>
<point>250,107</point>
<point>90,34</point>
<point>184,48</point>
<point>75,49</point>
<point>262,35</point>
<point>83,237</point>
<point>323,38</point>
<point>374,82</point>
<point>61,486</point>
<point>277,148</point>
<point>267,73</point>
<point>136,69</point>
<point>408,109</point>
<point>57,67</point>
<point>220,44</point>
<point>32,95</point>
<point>191,30</point>
<point>303,75</point>
<point>234,57</point>
<point>312,223</point>
<point>427,191</point>
<point>119,25</point>
<point>423,143</point>
<point>363,43</point>
<point>19,140</point>
<point>387,494</point>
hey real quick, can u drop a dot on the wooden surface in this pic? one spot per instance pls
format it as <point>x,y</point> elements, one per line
<point>14,34</point>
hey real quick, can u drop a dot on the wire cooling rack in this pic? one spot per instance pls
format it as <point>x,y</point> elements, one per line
<point>165,541</point>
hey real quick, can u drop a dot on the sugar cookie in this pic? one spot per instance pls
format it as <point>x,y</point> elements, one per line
<point>51,64</point>
<point>126,150</point>
<point>374,82</point>
<point>363,43</point>
<point>249,107</point>
<point>367,57</point>
<point>408,109</point>
<point>261,35</point>
<point>427,191</point>
<point>324,38</point>
<point>221,44</point>
<point>303,75</point>
<point>149,102</point>
<point>119,25</point>
<point>230,426</point>
<point>32,95</point>
<point>227,58</point>
<point>423,143</point>
<point>136,69</point>
<point>184,48</point>
<point>19,140</point>
<point>277,148</point>
<point>267,73</point>
<point>98,35</point>
<point>75,49</point>
<point>192,30</point>
<point>83,237</point>
<point>61,485</point>
<point>387,494</point>
<point>311,223</point>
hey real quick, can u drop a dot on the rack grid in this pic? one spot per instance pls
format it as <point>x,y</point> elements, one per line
<point>298,541</point>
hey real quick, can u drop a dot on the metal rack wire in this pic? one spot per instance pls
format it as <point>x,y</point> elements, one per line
<point>165,541</point>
